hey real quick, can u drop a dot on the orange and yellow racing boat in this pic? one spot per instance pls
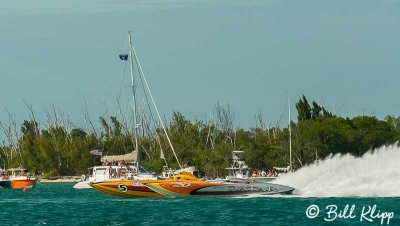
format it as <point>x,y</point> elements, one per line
<point>140,188</point>
<point>185,184</point>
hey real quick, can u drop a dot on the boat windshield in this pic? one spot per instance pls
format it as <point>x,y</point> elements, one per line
<point>100,171</point>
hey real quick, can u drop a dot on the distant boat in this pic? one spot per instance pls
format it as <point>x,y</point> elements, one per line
<point>21,178</point>
<point>238,171</point>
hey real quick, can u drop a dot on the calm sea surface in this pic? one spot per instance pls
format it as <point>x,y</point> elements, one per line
<point>60,204</point>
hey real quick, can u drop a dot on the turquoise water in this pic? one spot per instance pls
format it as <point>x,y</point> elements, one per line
<point>60,204</point>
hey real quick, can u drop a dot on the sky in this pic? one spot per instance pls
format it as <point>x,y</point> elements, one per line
<point>248,54</point>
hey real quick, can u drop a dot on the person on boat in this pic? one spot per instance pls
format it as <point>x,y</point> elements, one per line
<point>3,175</point>
<point>263,173</point>
<point>122,163</point>
<point>112,172</point>
<point>105,163</point>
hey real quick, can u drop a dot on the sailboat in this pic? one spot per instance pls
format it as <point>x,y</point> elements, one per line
<point>134,186</point>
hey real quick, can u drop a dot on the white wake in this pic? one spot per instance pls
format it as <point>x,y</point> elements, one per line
<point>375,174</point>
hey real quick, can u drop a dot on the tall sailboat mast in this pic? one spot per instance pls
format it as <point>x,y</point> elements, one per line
<point>135,128</point>
<point>290,136</point>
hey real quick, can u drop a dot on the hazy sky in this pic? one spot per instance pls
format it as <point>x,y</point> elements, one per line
<point>197,53</point>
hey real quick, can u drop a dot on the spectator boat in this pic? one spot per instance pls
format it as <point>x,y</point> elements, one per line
<point>21,178</point>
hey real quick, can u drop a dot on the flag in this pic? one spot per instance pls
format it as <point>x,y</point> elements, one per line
<point>96,152</point>
<point>123,56</point>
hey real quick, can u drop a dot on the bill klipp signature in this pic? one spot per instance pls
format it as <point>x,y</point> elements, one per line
<point>365,213</point>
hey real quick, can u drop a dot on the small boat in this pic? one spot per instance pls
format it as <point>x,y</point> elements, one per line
<point>21,178</point>
<point>238,168</point>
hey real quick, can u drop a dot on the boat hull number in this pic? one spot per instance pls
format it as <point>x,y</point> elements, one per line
<point>122,188</point>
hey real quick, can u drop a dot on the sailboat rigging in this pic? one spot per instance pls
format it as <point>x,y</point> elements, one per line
<point>147,92</point>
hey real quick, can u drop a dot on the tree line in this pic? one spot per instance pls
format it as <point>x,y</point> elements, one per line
<point>59,148</point>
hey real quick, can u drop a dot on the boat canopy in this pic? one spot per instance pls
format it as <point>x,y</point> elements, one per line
<point>130,157</point>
